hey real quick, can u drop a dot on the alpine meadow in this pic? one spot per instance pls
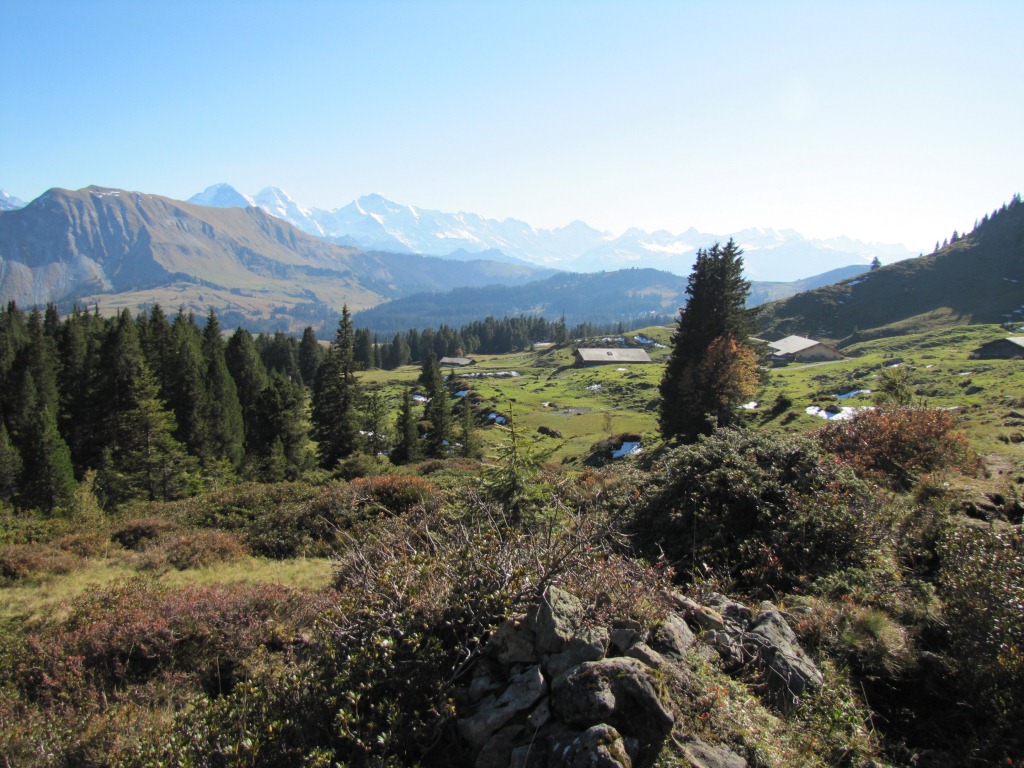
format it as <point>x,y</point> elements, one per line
<point>658,436</point>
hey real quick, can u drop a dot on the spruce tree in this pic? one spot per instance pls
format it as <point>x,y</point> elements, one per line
<point>310,354</point>
<point>47,477</point>
<point>280,439</point>
<point>144,461</point>
<point>250,377</point>
<point>188,388</point>
<point>438,410</point>
<point>469,438</point>
<point>407,448</point>
<point>10,465</point>
<point>715,309</point>
<point>335,394</point>
<point>223,412</point>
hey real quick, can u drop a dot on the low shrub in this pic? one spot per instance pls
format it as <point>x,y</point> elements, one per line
<point>30,561</point>
<point>395,494</point>
<point>767,511</point>
<point>897,444</point>
<point>199,549</point>
<point>139,533</point>
<point>981,581</point>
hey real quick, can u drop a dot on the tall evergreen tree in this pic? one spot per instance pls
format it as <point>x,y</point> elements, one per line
<point>250,377</point>
<point>438,410</point>
<point>112,391</point>
<point>77,349</point>
<point>469,436</point>
<point>223,412</point>
<point>280,439</point>
<point>407,449</point>
<point>376,426</point>
<point>188,387</point>
<point>47,477</point>
<point>144,460</point>
<point>335,394</point>
<point>158,347</point>
<point>10,465</point>
<point>310,355</point>
<point>715,309</point>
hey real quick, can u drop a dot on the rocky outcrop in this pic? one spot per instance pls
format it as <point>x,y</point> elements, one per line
<point>553,690</point>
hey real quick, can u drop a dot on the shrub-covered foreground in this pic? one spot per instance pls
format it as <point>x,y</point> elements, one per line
<point>912,616</point>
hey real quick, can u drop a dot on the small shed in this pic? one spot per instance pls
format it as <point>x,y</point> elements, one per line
<point>802,349</point>
<point>598,356</point>
<point>456,362</point>
<point>1010,348</point>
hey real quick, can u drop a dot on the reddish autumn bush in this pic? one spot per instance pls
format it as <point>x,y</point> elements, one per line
<point>140,533</point>
<point>198,549</point>
<point>396,494</point>
<point>22,561</point>
<point>133,631</point>
<point>897,444</point>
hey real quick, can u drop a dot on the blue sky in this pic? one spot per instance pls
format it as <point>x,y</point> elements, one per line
<point>888,121</point>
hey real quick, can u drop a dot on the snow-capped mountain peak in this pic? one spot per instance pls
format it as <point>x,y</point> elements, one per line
<point>9,202</point>
<point>375,223</point>
<point>222,196</point>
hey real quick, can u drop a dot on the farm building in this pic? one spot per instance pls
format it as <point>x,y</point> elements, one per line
<point>801,349</point>
<point>456,362</point>
<point>596,356</point>
<point>1010,348</point>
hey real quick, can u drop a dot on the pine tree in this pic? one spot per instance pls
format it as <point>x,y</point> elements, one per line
<point>717,293</point>
<point>408,447</point>
<point>310,354</point>
<point>250,377</point>
<point>188,390</point>
<point>10,465</point>
<point>335,394</point>
<point>438,410</point>
<point>47,477</point>
<point>222,411</point>
<point>469,436</point>
<point>144,460</point>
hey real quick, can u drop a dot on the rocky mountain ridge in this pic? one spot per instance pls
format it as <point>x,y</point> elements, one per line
<point>96,243</point>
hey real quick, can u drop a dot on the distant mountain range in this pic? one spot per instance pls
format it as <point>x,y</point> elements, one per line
<point>596,297</point>
<point>978,278</point>
<point>9,203</point>
<point>375,223</point>
<point>130,249</point>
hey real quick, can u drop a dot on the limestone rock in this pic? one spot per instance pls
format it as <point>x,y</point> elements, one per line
<point>600,746</point>
<point>618,691</point>
<point>643,652</point>
<point>790,673</point>
<point>557,620</point>
<point>736,614</point>
<point>493,712</point>
<point>700,754</point>
<point>590,644</point>
<point>512,643</point>
<point>672,637</point>
<point>704,617</point>
<point>622,638</point>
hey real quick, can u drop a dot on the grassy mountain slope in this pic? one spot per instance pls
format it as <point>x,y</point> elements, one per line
<point>977,279</point>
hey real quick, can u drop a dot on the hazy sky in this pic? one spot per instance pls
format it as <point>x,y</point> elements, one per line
<point>889,121</point>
